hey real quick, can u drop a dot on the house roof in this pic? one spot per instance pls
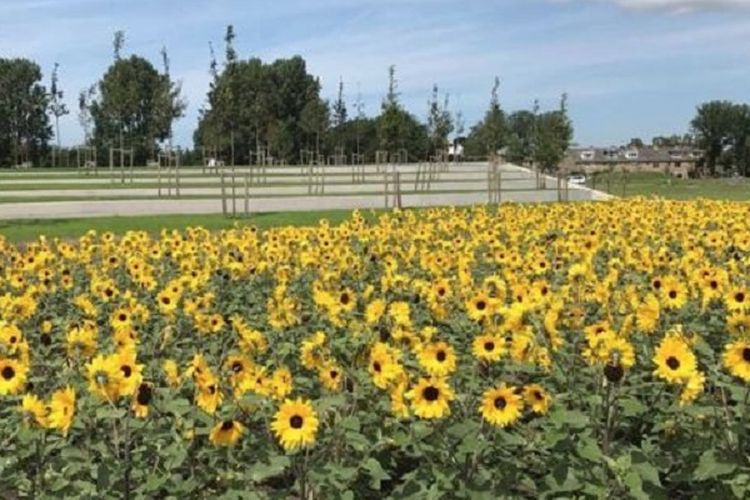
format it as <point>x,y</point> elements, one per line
<point>647,154</point>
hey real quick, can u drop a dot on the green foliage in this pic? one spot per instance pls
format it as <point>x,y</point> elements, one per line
<point>24,124</point>
<point>439,122</point>
<point>134,105</point>
<point>489,135</point>
<point>280,107</point>
<point>722,131</point>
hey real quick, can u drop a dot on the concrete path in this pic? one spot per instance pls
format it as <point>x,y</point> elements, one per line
<point>519,182</point>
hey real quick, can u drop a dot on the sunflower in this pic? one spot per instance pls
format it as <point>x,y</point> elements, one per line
<point>312,350</point>
<point>62,408</point>
<point>674,360</point>
<point>431,397</point>
<point>81,340</point>
<point>537,398</point>
<point>208,395</point>
<point>374,311</point>
<point>673,293</point>
<point>142,399</point>
<point>479,307</point>
<point>437,359</point>
<point>737,299</point>
<point>647,314</point>
<point>399,406</point>
<point>171,372</point>
<point>488,347</point>
<point>693,388</point>
<point>281,382</point>
<point>295,424</point>
<point>736,359</point>
<point>383,366</point>
<point>33,409</point>
<point>331,376</point>
<point>226,433</point>
<point>131,372</point>
<point>12,376</point>
<point>501,406</point>
<point>105,376</point>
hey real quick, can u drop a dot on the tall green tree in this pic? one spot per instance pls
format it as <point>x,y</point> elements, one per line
<point>339,111</point>
<point>135,105</point>
<point>521,129</point>
<point>24,123</point>
<point>57,107</point>
<point>439,121</point>
<point>489,135</point>
<point>260,105</point>
<point>713,127</point>
<point>553,134</point>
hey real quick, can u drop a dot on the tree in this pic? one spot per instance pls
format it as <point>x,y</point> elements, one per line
<point>339,107</point>
<point>251,104</point>
<point>56,106</point>
<point>636,142</point>
<point>391,123</point>
<point>85,98</point>
<point>713,128</point>
<point>170,105</point>
<point>553,135</point>
<point>521,127</point>
<point>439,122</point>
<point>315,119</point>
<point>489,135</point>
<point>24,123</point>
<point>135,105</point>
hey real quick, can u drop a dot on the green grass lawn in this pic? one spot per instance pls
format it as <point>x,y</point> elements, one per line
<point>27,230</point>
<point>666,186</point>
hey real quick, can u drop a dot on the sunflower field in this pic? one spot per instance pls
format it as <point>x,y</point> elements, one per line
<point>588,350</point>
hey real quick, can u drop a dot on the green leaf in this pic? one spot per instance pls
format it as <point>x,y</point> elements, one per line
<point>373,467</point>
<point>259,471</point>
<point>648,472</point>
<point>589,449</point>
<point>635,486</point>
<point>631,407</point>
<point>709,466</point>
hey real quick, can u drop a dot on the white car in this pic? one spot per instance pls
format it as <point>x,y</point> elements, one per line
<point>577,179</point>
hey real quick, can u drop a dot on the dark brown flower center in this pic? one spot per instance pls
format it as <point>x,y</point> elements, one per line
<point>296,422</point>
<point>236,367</point>
<point>344,299</point>
<point>500,403</point>
<point>376,366</point>
<point>8,372</point>
<point>126,370</point>
<point>481,305</point>
<point>144,395</point>
<point>746,354</point>
<point>614,373</point>
<point>227,425</point>
<point>440,356</point>
<point>673,362</point>
<point>489,346</point>
<point>431,393</point>
<point>672,294</point>
<point>739,297</point>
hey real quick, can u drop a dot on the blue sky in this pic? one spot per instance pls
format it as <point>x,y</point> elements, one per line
<point>630,67</point>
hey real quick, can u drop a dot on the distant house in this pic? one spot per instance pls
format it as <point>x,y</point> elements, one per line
<point>677,161</point>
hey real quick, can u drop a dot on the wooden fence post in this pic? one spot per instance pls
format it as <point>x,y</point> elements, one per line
<point>223,195</point>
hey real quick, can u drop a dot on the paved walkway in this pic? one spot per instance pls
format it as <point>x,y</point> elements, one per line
<point>295,197</point>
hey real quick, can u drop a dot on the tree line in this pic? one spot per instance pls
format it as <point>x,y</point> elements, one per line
<point>252,106</point>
